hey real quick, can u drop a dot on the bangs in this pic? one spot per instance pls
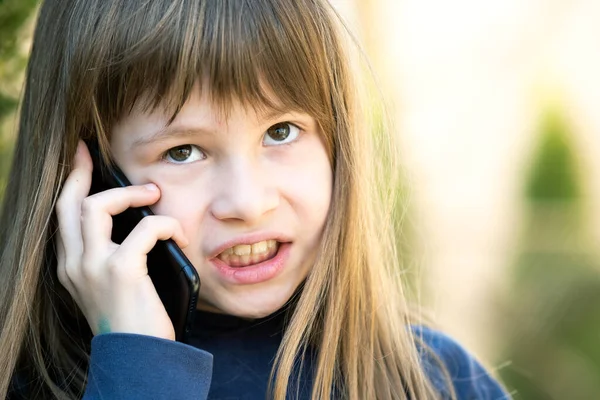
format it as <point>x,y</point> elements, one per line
<point>265,54</point>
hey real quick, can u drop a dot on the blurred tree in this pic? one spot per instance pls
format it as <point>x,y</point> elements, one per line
<point>552,319</point>
<point>554,172</point>
<point>13,15</point>
<point>14,37</point>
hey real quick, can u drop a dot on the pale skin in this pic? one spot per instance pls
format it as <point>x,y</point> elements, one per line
<point>235,183</point>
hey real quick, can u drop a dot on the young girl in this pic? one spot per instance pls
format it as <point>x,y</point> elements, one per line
<point>238,123</point>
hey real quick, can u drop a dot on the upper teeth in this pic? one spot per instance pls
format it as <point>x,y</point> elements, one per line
<point>248,249</point>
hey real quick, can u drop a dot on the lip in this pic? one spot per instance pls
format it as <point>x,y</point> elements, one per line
<point>256,273</point>
<point>249,238</point>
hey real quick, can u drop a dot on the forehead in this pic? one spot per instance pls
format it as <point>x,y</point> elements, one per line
<point>157,57</point>
<point>202,104</point>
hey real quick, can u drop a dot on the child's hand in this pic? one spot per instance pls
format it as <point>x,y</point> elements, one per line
<point>110,282</point>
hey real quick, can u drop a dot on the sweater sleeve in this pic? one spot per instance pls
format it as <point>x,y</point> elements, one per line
<point>128,366</point>
<point>468,377</point>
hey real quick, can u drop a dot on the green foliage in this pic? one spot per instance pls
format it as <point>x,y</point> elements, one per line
<point>7,105</point>
<point>551,319</point>
<point>13,16</point>
<point>554,324</point>
<point>554,172</point>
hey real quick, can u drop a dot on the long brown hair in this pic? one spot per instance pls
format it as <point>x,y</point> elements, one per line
<point>91,62</point>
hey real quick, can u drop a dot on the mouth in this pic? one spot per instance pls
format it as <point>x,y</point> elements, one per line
<point>245,255</point>
<point>249,264</point>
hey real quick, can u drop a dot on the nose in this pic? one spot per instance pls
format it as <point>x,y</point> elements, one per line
<point>243,192</point>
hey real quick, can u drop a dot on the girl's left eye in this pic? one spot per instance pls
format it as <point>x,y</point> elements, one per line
<point>184,154</point>
<point>281,133</point>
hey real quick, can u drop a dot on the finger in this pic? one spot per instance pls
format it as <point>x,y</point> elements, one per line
<point>75,189</point>
<point>151,229</point>
<point>63,277</point>
<point>130,258</point>
<point>68,207</point>
<point>97,211</point>
<point>61,271</point>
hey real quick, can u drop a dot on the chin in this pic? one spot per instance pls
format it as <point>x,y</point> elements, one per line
<point>251,306</point>
<point>259,306</point>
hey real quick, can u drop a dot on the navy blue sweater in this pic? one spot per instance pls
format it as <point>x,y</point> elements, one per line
<point>231,358</point>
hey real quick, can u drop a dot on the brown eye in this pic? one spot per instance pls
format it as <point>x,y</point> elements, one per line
<point>281,133</point>
<point>183,154</point>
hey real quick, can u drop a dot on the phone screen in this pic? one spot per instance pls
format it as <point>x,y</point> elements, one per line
<point>173,275</point>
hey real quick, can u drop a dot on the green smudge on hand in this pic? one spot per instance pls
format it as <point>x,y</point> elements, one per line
<point>103,325</point>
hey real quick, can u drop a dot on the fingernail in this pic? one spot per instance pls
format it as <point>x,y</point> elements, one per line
<point>151,187</point>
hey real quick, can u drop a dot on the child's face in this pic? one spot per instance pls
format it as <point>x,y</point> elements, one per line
<point>244,180</point>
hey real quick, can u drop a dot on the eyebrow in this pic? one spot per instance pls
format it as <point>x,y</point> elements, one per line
<point>167,133</point>
<point>170,131</point>
<point>272,113</point>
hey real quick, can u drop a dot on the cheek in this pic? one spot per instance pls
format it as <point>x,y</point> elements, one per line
<point>186,203</point>
<point>307,187</point>
<point>310,192</point>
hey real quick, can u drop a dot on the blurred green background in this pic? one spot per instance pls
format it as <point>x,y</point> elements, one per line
<point>537,317</point>
<point>15,37</point>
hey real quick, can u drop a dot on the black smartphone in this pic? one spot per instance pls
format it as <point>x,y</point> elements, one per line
<point>173,275</point>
